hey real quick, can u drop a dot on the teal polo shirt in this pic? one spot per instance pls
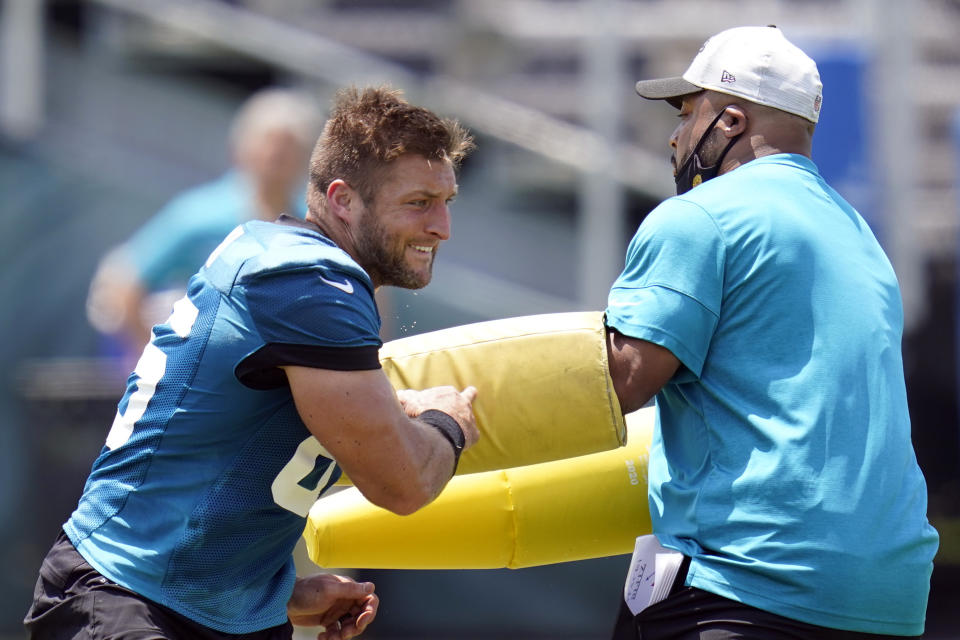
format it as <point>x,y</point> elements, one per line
<point>781,462</point>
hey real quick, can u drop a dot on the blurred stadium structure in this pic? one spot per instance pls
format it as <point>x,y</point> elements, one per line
<point>108,107</point>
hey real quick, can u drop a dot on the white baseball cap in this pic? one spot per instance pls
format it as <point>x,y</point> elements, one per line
<point>754,63</point>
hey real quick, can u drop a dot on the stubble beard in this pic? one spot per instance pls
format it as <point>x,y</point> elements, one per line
<point>709,153</point>
<point>384,260</point>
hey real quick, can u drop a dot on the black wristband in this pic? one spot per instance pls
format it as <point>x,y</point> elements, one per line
<point>449,428</point>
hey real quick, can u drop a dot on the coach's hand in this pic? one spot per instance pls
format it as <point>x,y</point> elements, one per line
<point>342,606</point>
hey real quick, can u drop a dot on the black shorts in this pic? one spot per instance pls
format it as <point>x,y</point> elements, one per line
<point>72,601</point>
<point>693,614</point>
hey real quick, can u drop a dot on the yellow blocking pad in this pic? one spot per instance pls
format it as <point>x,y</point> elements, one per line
<point>544,386</point>
<point>591,506</point>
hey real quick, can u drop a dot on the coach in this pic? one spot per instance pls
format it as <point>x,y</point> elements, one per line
<point>760,309</point>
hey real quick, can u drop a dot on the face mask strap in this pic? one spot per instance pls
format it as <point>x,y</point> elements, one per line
<point>692,169</point>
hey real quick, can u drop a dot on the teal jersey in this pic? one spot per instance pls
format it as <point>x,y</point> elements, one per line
<point>202,489</point>
<point>781,461</point>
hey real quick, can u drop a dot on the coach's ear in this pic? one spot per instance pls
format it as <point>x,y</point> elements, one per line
<point>734,120</point>
<point>343,202</point>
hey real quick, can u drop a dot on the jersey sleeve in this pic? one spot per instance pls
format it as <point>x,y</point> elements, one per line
<point>671,287</point>
<point>323,317</point>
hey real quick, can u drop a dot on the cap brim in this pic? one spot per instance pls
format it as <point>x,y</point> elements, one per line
<point>670,89</point>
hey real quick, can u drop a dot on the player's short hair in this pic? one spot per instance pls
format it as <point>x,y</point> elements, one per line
<point>369,128</point>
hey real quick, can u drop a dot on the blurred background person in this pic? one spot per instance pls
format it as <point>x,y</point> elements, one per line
<point>137,282</point>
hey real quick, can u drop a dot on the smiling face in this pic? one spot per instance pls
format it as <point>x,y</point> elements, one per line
<point>396,234</point>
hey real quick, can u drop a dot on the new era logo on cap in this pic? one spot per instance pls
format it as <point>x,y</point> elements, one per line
<point>727,77</point>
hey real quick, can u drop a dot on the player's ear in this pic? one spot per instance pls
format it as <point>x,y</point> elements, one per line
<point>343,201</point>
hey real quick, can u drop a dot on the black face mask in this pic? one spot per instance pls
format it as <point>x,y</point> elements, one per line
<point>693,172</point>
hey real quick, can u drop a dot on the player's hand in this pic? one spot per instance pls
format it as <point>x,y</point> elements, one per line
<point>342,606</point>
<point>458,404</point>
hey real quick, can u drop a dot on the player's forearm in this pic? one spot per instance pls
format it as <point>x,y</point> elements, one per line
<point>397,461</point>
<point>421,463</point>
